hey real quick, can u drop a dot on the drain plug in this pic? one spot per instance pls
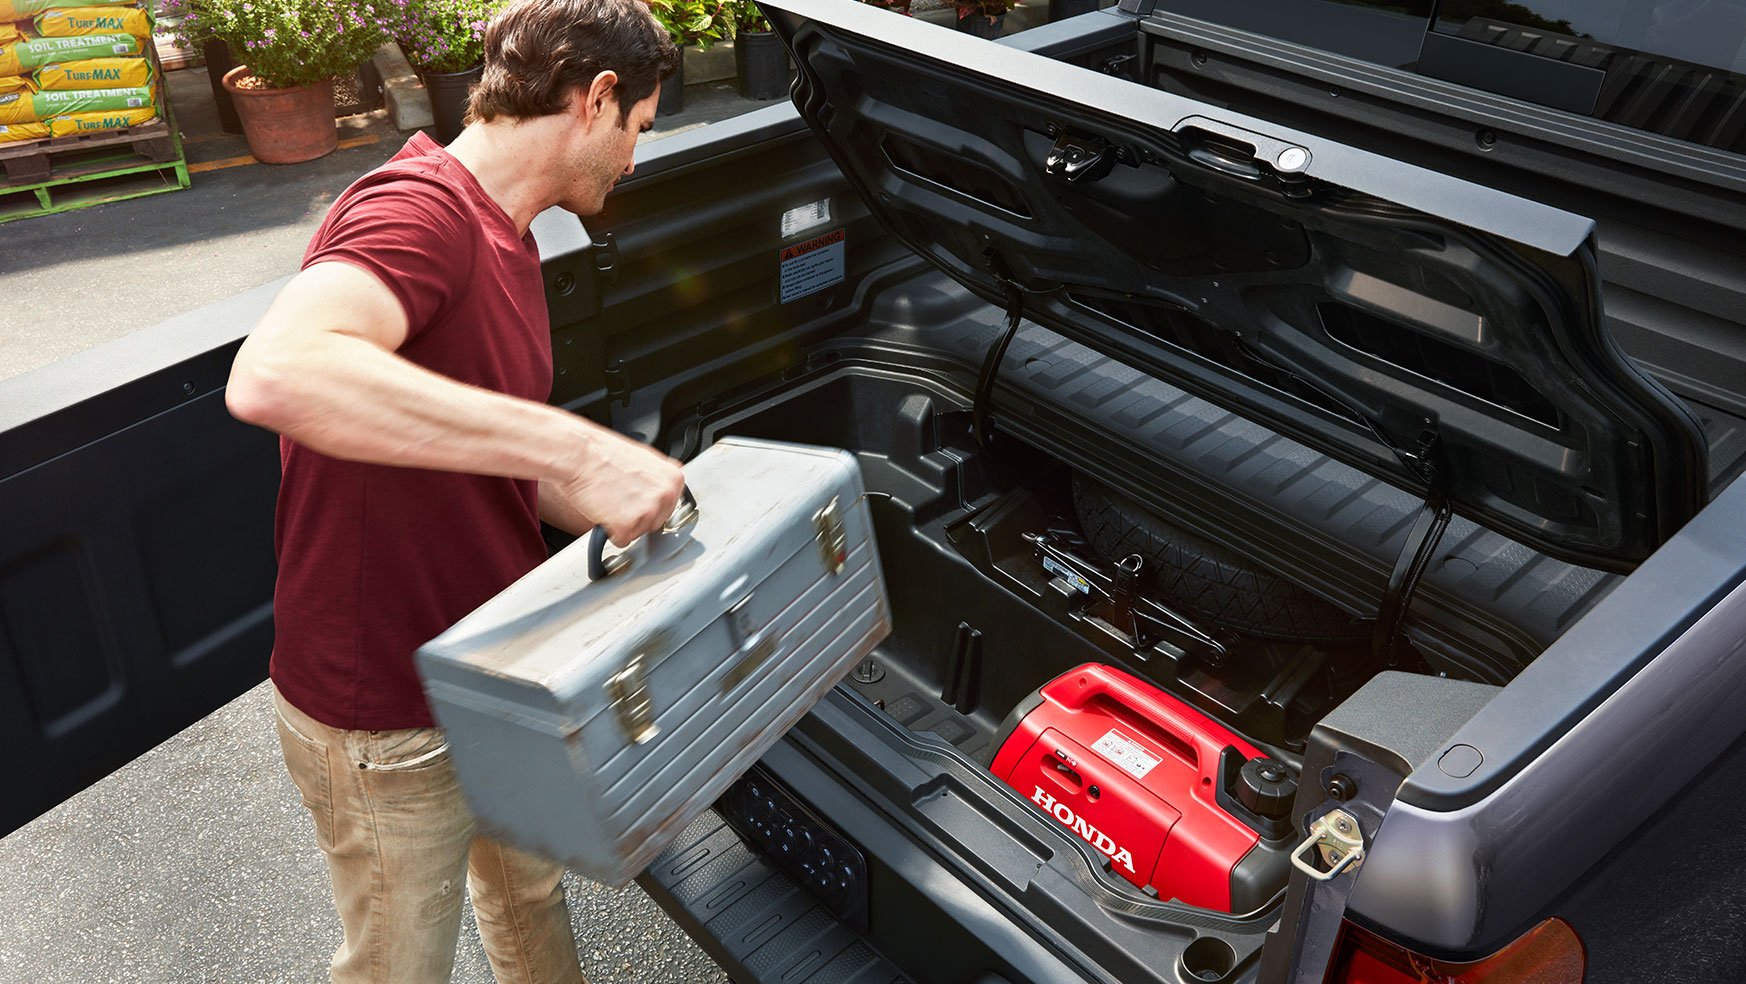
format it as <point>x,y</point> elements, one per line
<point>869,671</point>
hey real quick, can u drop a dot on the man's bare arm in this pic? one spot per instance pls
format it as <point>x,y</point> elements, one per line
<point>321,369</point>
<point>561,512</point>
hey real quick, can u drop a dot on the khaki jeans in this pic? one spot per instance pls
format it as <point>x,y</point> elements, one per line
<point>399,837</point>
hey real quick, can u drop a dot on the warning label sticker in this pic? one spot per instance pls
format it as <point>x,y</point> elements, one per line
<point>810,267</point>
<point>1079,583</point>
<point>1126,753</point>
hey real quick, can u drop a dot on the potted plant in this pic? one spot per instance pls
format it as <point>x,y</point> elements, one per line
<point>690,23</point>
<point>983,18</point>
<point>760,60</point>
<point>291,51</point>
<point>445,41</point>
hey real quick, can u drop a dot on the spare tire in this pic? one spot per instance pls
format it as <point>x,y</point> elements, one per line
<point>1204,578</point>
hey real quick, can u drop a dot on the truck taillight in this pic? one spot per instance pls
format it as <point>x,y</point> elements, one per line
<point>1550,953</point>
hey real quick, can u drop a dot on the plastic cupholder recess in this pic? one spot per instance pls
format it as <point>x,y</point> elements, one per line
<point>1206,960</point>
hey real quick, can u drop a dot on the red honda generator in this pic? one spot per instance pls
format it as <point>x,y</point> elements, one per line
<point>1179,805</point>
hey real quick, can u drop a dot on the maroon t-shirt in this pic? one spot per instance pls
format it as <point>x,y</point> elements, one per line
<point>376,560</point>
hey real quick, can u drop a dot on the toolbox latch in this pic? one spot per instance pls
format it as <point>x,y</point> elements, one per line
<point>629,691</point>
<point>833,541</point>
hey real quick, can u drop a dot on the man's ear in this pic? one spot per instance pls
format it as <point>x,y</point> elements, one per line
<point>601,99</point>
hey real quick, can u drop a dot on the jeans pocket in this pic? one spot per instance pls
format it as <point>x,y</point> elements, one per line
<point>408,750</point>
<point>311,771</point>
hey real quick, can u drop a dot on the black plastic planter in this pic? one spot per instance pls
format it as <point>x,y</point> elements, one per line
<point>982,26</point>
<point>1063,9</point>
<point>672,90</point>
<point>448,100</point>
<point>762,65</point>
<point>218,62</point>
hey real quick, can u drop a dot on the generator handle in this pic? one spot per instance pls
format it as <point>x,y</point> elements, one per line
<point>1159,716</point>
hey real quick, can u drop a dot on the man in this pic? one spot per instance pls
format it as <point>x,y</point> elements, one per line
<point>406,369</point>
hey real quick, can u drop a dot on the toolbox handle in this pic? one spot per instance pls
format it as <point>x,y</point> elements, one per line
<point>600,566</point>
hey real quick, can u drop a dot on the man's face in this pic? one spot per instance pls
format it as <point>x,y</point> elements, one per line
<point>605,151</point>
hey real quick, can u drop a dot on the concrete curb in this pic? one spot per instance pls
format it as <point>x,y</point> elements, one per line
<point>408,103</point>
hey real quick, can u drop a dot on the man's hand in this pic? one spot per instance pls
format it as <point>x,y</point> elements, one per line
<point>628,488</point>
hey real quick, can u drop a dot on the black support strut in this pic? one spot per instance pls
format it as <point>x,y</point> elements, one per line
<point>1420,547</point>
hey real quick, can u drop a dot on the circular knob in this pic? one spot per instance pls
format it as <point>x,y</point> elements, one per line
<point>1267,787</point>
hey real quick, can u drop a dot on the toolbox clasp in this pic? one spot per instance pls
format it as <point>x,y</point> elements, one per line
<point>629,691</point>
<point>833,540</point>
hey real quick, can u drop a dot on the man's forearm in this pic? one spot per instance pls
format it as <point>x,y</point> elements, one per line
<point>322,368</point>
<point>347,398</point>
<point>560,511</point>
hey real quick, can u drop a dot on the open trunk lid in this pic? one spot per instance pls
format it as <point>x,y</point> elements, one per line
<point>1443,336</point>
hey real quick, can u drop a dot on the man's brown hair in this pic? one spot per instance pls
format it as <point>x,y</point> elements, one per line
<point>538,51</point>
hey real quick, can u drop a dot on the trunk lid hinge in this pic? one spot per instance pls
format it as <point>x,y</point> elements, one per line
<point>1423,460</point>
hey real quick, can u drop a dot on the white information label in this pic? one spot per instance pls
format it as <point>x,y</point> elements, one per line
<point>1126,753</point>
<point>797,220</point>
<point>810,267</point>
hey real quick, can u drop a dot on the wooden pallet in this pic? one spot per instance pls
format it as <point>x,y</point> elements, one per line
<point>64,158</point>
<point>43,177</point>
<point>113,185</point>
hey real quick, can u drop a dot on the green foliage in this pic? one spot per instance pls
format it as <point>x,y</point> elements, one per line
<point>748,17</point>
<point>284,42</point>
<point>699,23</point>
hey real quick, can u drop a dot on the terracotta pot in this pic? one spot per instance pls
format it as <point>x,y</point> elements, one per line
<point>285,126</point>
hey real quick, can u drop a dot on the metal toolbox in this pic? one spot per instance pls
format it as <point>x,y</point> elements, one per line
<point>591,718</point>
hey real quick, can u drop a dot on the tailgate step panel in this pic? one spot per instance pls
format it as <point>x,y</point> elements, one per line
<point>752,918</point>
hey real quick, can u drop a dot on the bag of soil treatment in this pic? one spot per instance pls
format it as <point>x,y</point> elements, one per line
<point>17,10</point>
<point>13,132</point>
<point>77,123</point>
<point>36,107</point>
<point>95,73</point>
<point>22,56</point>
<point>72,22</point>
